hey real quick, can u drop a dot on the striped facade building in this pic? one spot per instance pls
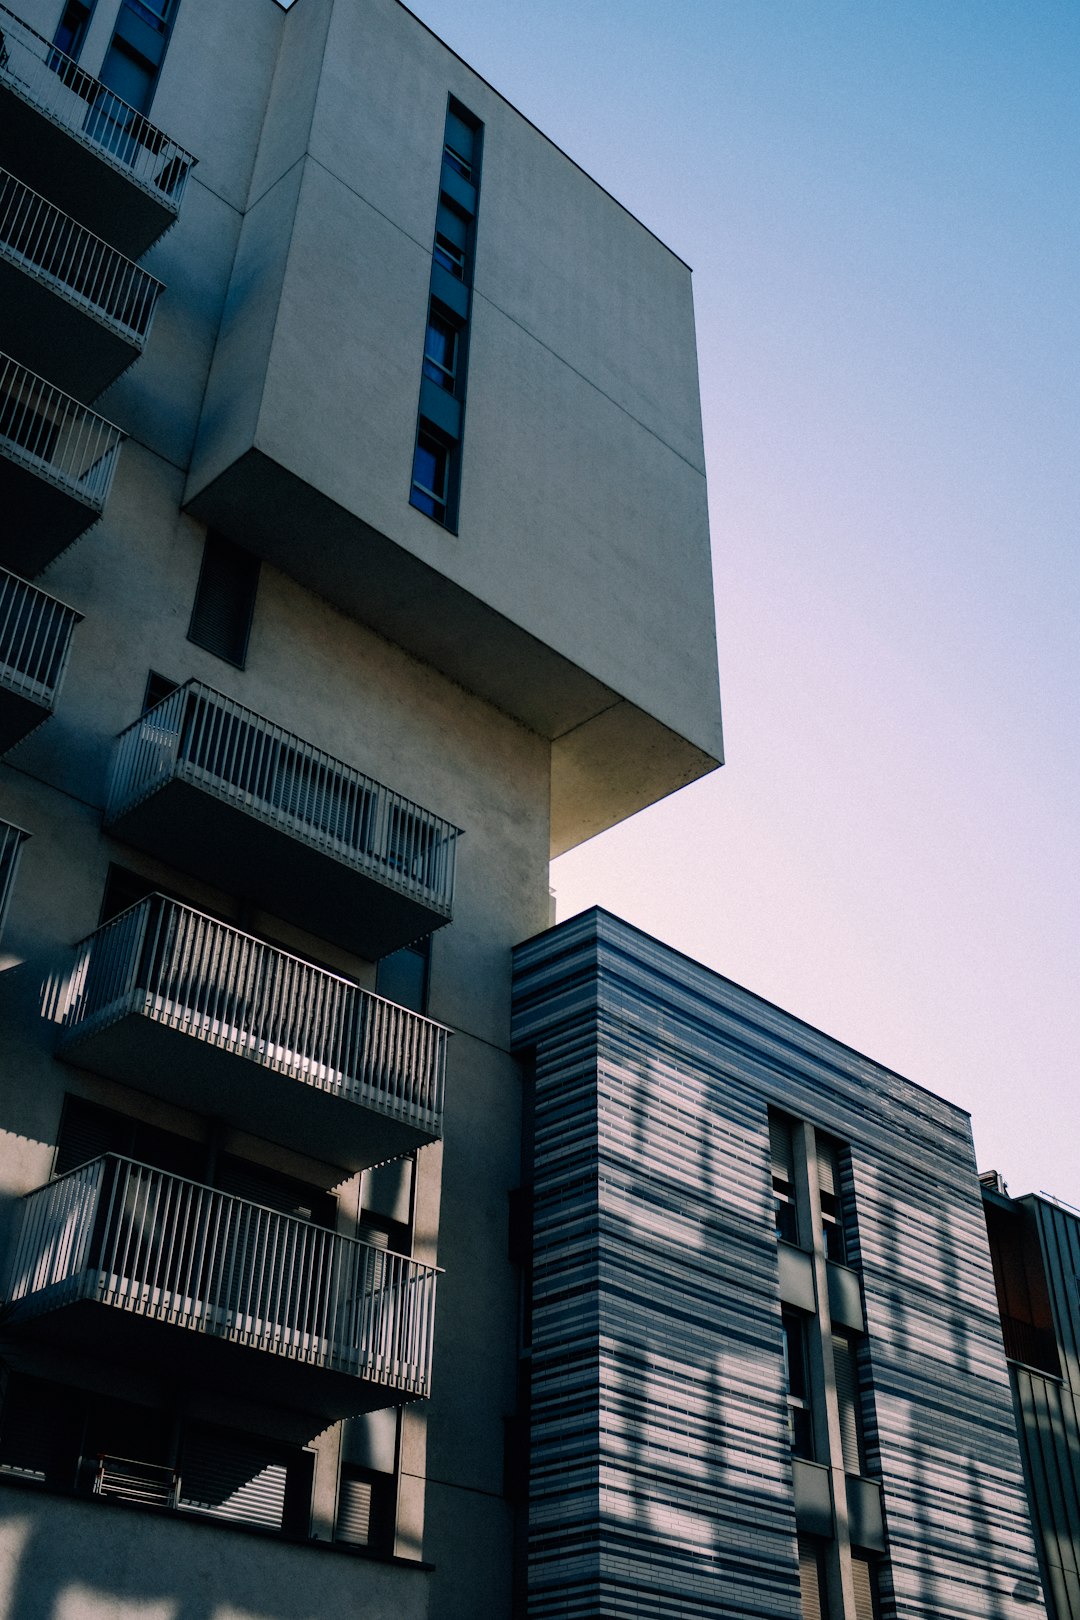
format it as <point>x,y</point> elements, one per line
<point>1035,1248</point>
<point>762,1351</point>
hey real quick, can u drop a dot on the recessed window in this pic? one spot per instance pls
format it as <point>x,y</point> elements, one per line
<point>225,600</point>
<point>782,1153</point>
<point>71,32</point>
<point>403,975</point>
<point>462,142</point>
<point>450,255</point>
<point>800,1422</point>
<point>441,351</point>
<point>431,476</point>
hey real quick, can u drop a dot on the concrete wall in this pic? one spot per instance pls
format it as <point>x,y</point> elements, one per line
<point>582,524</point>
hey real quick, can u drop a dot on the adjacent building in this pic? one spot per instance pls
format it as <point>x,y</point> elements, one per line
<point>761,1351</point>
<point>350,453</point>
<point>1035,1248</point>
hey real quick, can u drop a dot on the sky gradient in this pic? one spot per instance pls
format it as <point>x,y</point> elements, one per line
<point>879,201</point>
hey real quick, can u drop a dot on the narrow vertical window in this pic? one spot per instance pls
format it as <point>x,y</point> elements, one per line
<point>225,600</point>
<point>71,31</point>
<point>796,1374</point>
<point>832,1225</point>
<point>436,472</point>
<point>781,1149</point>
<point>11,839</point>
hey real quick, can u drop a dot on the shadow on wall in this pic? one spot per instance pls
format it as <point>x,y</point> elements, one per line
<point>67,1560</point>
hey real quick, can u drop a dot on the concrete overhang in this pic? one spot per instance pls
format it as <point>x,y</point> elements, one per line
<point>609,757</point>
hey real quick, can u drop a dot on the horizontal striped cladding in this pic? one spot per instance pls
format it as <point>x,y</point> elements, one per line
<point>656,1305</point>
<point>1048,1416</point>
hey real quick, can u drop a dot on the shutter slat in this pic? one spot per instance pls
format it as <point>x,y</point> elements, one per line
<point>863,1581</point>
<point>810,1581</point>
<point>232,1477</point>
<point>354,1512</point>
<point>781,1147</point>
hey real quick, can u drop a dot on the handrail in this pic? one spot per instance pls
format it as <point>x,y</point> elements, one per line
<point>88,109</point>
<point>210,981</point>
<point>173,1250</point>
<point>37,235</point>
<point>60,439</point>
<point>201,736</point>
<point>35,634</point>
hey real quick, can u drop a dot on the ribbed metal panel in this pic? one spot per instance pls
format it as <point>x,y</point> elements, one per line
<point>661,1476</point>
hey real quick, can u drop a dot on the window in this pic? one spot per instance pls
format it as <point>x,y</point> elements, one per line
<point>832,1225</point>
<point>846,1373</point>
<point>813,1590</point>
<point>461,148</point>
<point>403,975</point>
<point>441,351</point>
<point>71,31</point>
<point>158,688</point>
<point>782,1152</point>
<point>11,839</point>
<point>864,1580</point>
<point>225,600</point>
<point>796,1376</point>
<point>431,475</point>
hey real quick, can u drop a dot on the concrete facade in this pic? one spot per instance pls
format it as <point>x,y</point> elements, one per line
<point>679,1464</point>
<point>480,675</point>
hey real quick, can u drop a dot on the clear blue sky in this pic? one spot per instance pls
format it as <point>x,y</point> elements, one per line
<point>879,200</point>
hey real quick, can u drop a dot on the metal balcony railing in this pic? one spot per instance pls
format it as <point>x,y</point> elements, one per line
<point>35,634</point>
<point>45,430</point>
<point>215,984</point>
<point>11,839</point>
<point>40,238</point>
<point>200,736</point>
<point>56,86</point>
<point>125,1235</point>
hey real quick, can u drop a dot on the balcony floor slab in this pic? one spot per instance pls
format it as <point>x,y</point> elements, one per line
<point>80,175</point>
<point>234,1082</point>
<point>190,827</point>
<point>189,1357</point>
<point>41,518</point>
<point>19,715</point>
<point>58,336</point>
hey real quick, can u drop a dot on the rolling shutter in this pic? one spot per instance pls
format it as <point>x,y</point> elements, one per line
<point>862,1575</point>
<point>354,1516</point>
<point>236,1477</point>
<point>781,1148</point>
<point>225,600</point>
<point>811,1581</point>
<point>847,1396</point>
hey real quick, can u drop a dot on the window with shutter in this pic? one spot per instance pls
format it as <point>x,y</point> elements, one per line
<point>828,1165</point>
<point>225,600</point>
<point>233,1476</point>
<point>812,1579</point>
<point>864,1580</point>
<point>847,1396</point>
<point>781,1149</point>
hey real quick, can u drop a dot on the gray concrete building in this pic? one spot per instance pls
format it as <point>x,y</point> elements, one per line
<point>350,454</point>
<point>762,1361</point>
<point>1035,1248</point>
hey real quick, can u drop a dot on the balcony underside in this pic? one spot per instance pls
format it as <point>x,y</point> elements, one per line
<point>76,173</point>
<point>59,338</point>
<point>218,841</point>
<point>40,518</point>
<point>19,715</point>
<point>238,1087</point>
<point>190,1357</point>
<point>609,758</point>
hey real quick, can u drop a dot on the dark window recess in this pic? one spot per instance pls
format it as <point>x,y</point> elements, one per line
<point>832,1225</point>
<point>260,1185</point>
<point>800,1422</point>
<point>158,688</point>
<point>225,600</point>
<point>40,1432</point>
<point>431,474</point>
<point>124,889</point>
<point>87,1130</point>
<point>365,1510</point>
<point>71,31</point>
<point>441,351</point>
<point>133,62</point>
<point>782,1152</point>
<point>461,146</point>
<point>403,976</point>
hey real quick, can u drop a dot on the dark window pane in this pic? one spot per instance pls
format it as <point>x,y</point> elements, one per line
<point>403,976</point>
<point>225,600</point>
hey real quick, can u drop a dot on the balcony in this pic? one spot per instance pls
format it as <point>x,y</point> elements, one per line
<point>218,791</point>
<point>122,1260</point>
<point>77,311</point>
<point>57,460</point>
<point>35,633</point>
<point>173,1002</point>
<point>74,140</point>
